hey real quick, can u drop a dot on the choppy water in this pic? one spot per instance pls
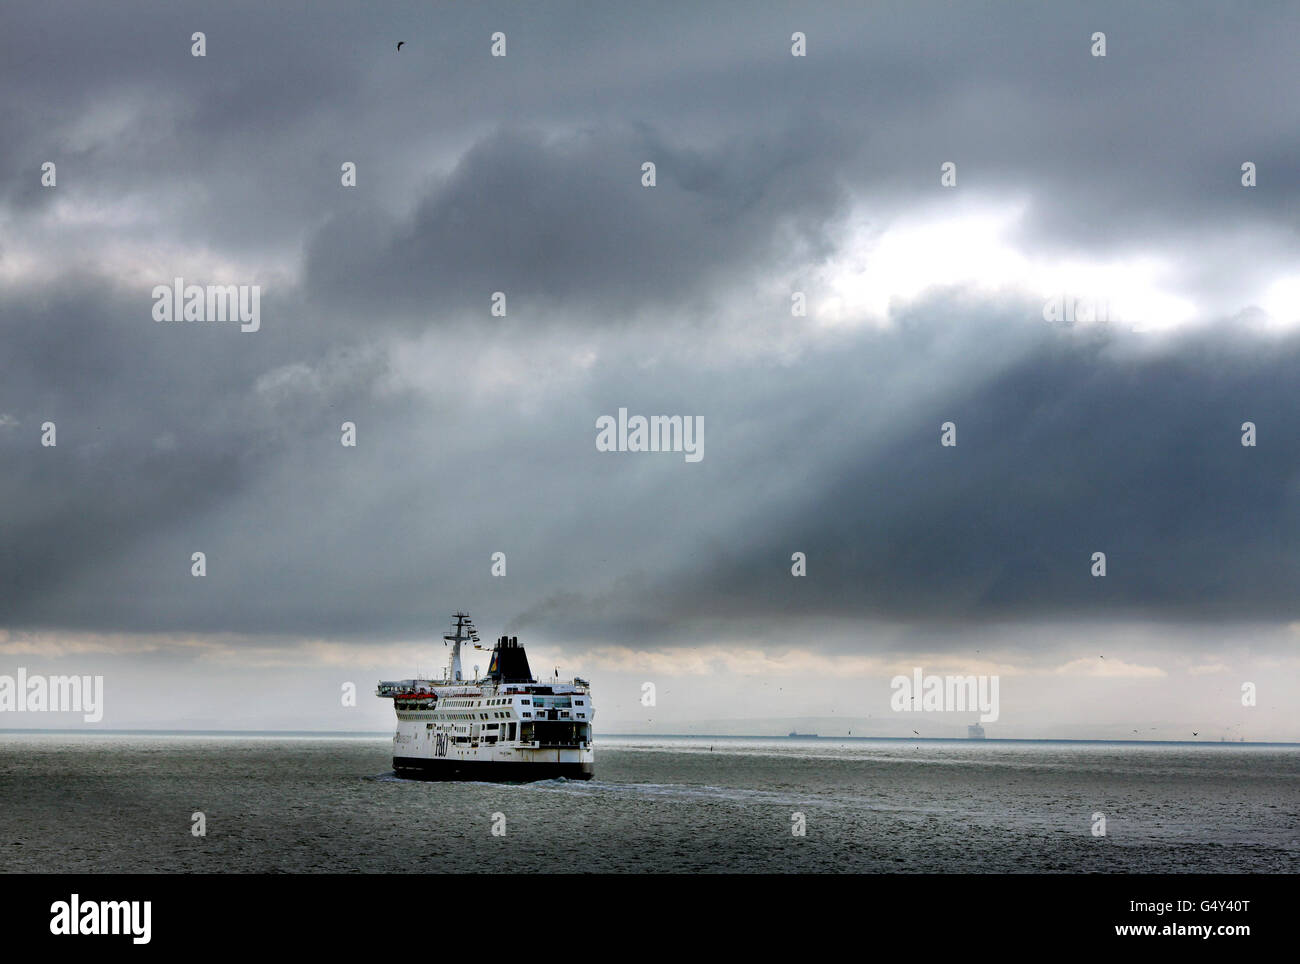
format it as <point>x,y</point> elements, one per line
<point>101,803</point>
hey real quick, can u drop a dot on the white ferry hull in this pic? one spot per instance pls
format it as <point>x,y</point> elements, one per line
<point>417,752</point>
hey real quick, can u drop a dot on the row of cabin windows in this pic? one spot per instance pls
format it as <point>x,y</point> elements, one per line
<point>525,702</point>
<point>505,731</point>
<point>462,716</point>
<point>497,715</point>
<point>484,703</point>
<point>564,714</point>
<point>579,732</point>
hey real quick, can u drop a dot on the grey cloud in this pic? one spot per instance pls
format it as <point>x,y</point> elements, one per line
<point>523,176</point>
<point>566,222</point>
<point>1083,442</point>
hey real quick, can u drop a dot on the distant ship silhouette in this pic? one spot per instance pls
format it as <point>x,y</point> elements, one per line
<point>793,733</point>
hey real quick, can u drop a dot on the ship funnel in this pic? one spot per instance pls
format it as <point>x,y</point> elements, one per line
<point>510,662</point>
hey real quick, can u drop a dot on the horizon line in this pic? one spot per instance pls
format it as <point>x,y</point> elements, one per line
<point>699,736</point>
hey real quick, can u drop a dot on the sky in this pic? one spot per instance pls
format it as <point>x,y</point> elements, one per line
<point>1097,303</point>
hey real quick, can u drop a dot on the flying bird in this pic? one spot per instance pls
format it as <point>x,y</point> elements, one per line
<point>1194,733</point>
<point>399,44</point>
<point>918,734</point>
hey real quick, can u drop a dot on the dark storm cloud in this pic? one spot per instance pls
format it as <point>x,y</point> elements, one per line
<point>523,175</point>
<point>1070,442</point>
<point>1085,442</point>
<point>1144,145</point>
<point>155,427</point>
<point>568,224</point>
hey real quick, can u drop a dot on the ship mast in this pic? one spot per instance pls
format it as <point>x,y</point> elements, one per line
<point>464,632</point>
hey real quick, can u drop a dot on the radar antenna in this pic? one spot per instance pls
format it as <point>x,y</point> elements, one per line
<point>463,631</point>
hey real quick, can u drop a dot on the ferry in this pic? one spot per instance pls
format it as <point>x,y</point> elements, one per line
<point>505,725</point>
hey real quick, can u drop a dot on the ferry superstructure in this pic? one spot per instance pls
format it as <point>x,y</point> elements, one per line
<point>505,725</point>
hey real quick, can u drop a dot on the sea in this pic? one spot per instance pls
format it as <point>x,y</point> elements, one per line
<point>330,803</point>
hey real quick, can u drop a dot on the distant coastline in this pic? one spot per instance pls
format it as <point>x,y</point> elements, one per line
<point>386,734</point>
